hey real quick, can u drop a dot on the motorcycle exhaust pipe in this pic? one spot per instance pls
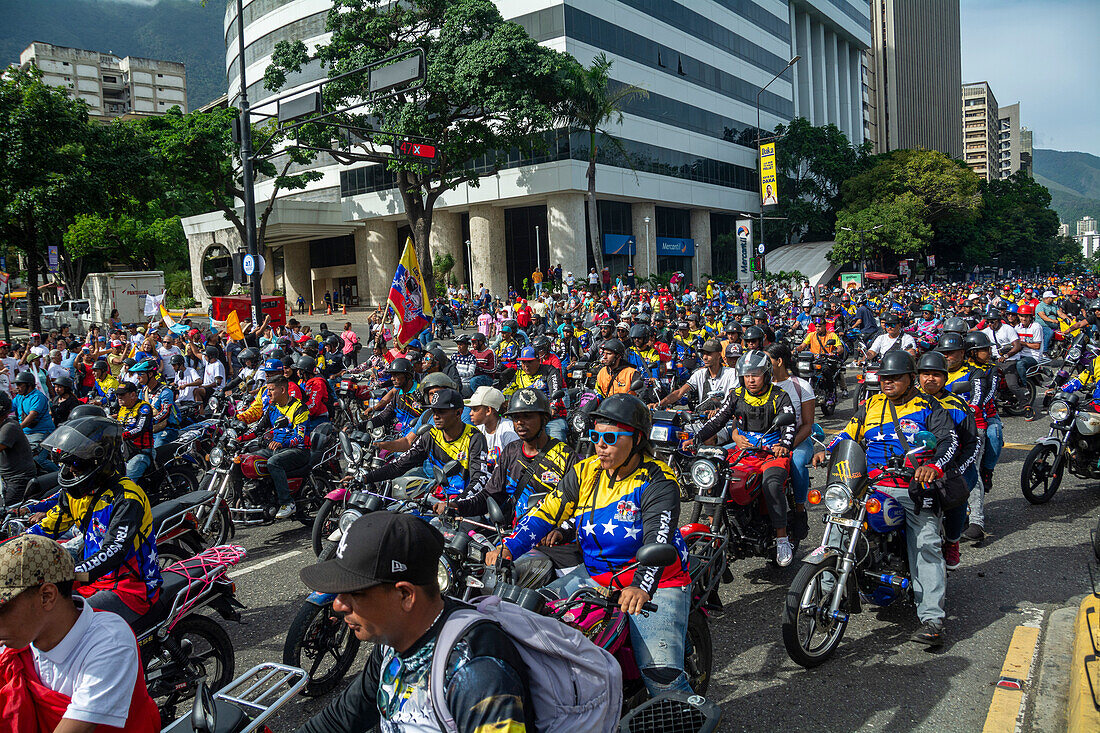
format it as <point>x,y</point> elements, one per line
<point>888,580</point>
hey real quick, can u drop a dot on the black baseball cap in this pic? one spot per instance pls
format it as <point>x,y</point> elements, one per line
<point>446,399</point>
<point>379,548</point>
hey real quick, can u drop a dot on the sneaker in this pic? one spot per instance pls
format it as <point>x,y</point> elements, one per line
<point>930,633</point>
<point>285,511</point>
<point>974,533</point>
<point>798,524</point>
<point>951,554</point>
<point>783,552</point>
<point>1029,414</point>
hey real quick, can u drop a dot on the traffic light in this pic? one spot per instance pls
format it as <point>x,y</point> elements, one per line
<point>238,268</point>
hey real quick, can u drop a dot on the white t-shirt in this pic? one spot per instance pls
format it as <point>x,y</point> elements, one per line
<point>884,343</point>
<point>1004,336</point>
<point>502,436</point>
<point>96,665</point>
<point>703,384</point>
<point>53,371</point>
<point>186,376</point>
<point>213,370</point>
<point>42,350</point>
<point>166,355</point>
<point>593,278</point>
<point>1031,333</point>
<point>800,391</point>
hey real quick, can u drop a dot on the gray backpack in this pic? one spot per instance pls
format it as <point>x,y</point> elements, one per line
<point>575,685</point>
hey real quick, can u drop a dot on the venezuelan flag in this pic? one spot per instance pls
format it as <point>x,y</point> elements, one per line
<point>409,298</point>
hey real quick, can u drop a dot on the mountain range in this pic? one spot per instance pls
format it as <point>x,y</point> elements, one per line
<point>1073,180</point>
<point>170,30</point>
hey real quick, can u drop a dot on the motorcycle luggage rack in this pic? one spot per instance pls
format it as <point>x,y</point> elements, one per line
<point>210,565</point>
<point>253,690</point>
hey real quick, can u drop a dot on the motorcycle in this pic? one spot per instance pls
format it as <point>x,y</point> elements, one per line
<point>822,371</point>
<point>245,704</point>
<point>862,557</point>
<point>178,524</point>
<point>1073,443</point>
<point>1037,376</point>
<point>732,496</point>
<point>868,384</point>
<point>673,712</point>
<point>179,646</point>
<point>1078,358</point>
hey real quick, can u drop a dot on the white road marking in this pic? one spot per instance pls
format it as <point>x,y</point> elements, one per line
<point>265,563</point>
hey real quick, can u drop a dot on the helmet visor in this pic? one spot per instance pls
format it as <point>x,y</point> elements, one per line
<point>89,443</point>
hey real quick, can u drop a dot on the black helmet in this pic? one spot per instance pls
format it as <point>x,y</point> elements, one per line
<point>212,352</point>
<point>87,449</point>
<point>932,361</point>
<point>24,378</point>
<point>891,319</point>
<point>681,325</point>
<point>5,404</point>
<point>177,360</point>
<point>977,340</point>
<point>529,399</point>
<point>1094,304</point>
<point>333,341</point>
<point>541,344</point>
<point>625,409</point>
<point>955,325</point>
<point>950,341</point>
<point>608,323</point>
<point>753,333</point>
<point>746,321</point>
<point>62,381</point>
<point>754,361</point>
<point>307,365</point>
<point>436,380</point>
<point>994,315</point>
<point>817,312</point>
<point>87,411</point>
<point>248,354</point>
<point>400,365</point>
<point>895,363</point>
<point>615,346</point>
<point>289,362</point>
<point>732,326</point>
<point>638,331</point>
<point>737,310</point>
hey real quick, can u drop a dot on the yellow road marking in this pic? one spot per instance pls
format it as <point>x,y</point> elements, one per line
<point>1081,712</point>
<point>1004,710</point>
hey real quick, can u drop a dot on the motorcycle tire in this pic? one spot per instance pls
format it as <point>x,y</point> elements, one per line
<point>221,529</point>
<point>806,583</point>
<point>172,552</point>
<point>1096,539</point>
<point>828,408</point>
<point>179,481</point>
<point>320,625</point>
<point>1041,474</point>
<point>857,397</point>
<point>699,653</point>
<point>210,647</point>
<point>324,524</point>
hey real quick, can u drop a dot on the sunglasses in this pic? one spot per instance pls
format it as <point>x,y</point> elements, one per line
<point>611,437</point>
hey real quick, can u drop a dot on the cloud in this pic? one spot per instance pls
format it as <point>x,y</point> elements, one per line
<point>1043,55</point>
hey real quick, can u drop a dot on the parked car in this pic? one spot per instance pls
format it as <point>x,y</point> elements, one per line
<point>66,313</point>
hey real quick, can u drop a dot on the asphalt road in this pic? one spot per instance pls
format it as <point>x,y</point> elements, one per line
<point>1033,562</point>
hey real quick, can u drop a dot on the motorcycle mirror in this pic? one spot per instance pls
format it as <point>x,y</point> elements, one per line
<point>657,554</point>
<point>558,395</point>
<point>496,514</point>
<point>345,444</point>
<point>961,387</point>
<point>438,474</point>
<point>426,427</point>
<point>636,385</point>
<point>818,432</point>
<point>204,716</point>
<point>452,469</point>
<point>784,419</point>
<point>925,439</point>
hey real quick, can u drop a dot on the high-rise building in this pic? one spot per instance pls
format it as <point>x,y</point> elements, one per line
<point>1014,156</point>
<point>913,71</point>
<point>692,142</point>
<point>1088,236</point>
<point>111,86</point>
<point>1086,225</point>
<point>981,130</point>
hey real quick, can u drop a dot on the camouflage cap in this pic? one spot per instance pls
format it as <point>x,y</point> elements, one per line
<point>30,560</point>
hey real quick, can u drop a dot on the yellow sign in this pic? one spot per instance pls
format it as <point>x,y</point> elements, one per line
<point>769,188</point>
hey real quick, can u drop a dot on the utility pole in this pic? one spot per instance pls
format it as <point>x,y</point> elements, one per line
<point>759,161</point>
<point>245,128</point>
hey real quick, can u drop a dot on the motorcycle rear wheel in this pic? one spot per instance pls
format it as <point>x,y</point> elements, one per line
<point>325,523</point>
<point>211,658</point>
<point>699,653</point>
<point>1041,474</point>
<point>1096,539</point>
<point>321,634</point>
<point>170,553</point>
<point>802,619</point>
<point>179,481</point>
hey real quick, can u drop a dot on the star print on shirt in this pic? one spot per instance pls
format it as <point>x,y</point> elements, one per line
<point>589,528</point>
<point>609,527</point>
<point>632,532</point>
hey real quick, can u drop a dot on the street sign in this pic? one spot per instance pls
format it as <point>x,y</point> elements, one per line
<point>53,258</point>
<point>248,264</point>
<point>417,150</point>
<point>760,248</point>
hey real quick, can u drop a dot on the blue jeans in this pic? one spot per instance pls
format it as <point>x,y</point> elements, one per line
<point>1048,334</point>
<point>138,465</point>
<point>165,436</point>
<point>557,428</point>
<point>40,457</point>
<point>480,380</point>
<point>994,441</point>
<point>800,469</point>
<point>658,641</point>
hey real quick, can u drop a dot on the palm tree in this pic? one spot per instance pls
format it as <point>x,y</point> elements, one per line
<point>591,102</point>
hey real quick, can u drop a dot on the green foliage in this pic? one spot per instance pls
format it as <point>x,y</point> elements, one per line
<point>783,276</point>
<point>443,263</point>
<point>812,164</point>
<point>144,245</point>
<point>489,89</point>
<point>178,284</point>
<point>1017,224</point>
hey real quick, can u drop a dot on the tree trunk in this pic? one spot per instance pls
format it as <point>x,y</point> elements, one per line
<point>34,319</point>
<point>418,212</point>
<point>593,214</point>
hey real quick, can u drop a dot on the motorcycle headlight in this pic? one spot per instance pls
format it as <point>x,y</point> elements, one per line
<point>356,453</point>
<point>214,404</point>
<point>443,576</point>
<point>1074,354</point>
<point>838,499</point>
<point>231,434</point>
<point>659,433</point>
<point>703,474</point>
<point>217,456</point>
<point>346,519</point>
<point>1059,410</point>
<point>378,433</point>
<point>579,423</point>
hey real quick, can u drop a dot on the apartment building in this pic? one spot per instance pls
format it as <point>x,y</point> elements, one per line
<point>1014,142</point>
<point>981,126</point>
<point>111,86</point>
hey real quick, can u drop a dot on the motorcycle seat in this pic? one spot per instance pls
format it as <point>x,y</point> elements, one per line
<point>169,508</point>
<point>173,583</point>
<point>164,453</point>
<point>314,459</point>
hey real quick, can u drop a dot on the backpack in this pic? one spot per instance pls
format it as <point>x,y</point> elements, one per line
<point>575,685</point>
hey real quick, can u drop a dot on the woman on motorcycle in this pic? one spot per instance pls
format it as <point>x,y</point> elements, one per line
<point>805,402</point>
<point>622,498</point>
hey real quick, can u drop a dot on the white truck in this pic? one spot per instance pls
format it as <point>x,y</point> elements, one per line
<point>121,291</point>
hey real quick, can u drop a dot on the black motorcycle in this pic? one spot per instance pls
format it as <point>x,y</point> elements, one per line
<point>1073,443</point>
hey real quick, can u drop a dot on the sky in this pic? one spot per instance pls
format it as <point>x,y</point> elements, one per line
<point>1044,54</point>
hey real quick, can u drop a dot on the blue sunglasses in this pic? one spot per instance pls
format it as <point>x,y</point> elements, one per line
<point>611,437</point>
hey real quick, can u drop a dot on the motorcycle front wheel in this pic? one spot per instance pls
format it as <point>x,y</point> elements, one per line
<point>325,523</point>
<point>1041,474</point>
<point>811,638</point>
<point>699,654</point>
<point>1096,539</point>
<point>321,643</point>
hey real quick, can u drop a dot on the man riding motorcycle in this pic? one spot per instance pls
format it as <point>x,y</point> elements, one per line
<point>884,425</point>
<point>273,369</point>
<point>749,413</point>
<point>620,499</point>
<point>110,514</point>
<point>616,376</point>
<point>315,390</point>
<point>136,418</point>
<point>288,449</point>
<point>161,399</point>
<point>533,373</point>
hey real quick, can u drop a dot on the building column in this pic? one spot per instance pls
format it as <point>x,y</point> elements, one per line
<point>855,80</point>
<point>817,53</point>
<point>832,98</point>
<point>805,68</point>
<point>567,233</point>
<point>700,231</point>
<point>446,238</point>
<point>488,252</point>
<point>267,279</point>
<point>376,255</point>
<point>792,19</point>
<point>299,275</point>
<point>843,72</point>
<point>645,261</point>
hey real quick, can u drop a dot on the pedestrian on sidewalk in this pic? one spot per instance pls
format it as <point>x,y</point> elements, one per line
<point>351,345</point>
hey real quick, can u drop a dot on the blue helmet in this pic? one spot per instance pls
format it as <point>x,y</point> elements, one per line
<point>273,365</point>
<point>414,344</point>
<point>145,365</point>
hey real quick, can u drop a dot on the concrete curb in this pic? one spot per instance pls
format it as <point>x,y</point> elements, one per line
<point>1051,693</point>
<point>1081,711</point>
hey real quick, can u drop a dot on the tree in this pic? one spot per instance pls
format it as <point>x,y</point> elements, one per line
<point>812,164</point>
<point>489,90</point>
<point>144,245</point>
<point>903,231</point>
<point>592,101</point>
<point>1017,224</point>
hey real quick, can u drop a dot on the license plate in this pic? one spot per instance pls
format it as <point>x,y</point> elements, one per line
<point>843,522</point>
<point>578,375</point>
<point>659,433</point>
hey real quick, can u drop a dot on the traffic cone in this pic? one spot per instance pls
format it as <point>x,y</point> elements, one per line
<point>345,307</point>
<point>328,309</point>
<point>311,309</point>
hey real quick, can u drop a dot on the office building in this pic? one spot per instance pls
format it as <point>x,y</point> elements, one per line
<point>111,86</point>
<point>981,130</point>
<point>1015,149</point>
<point>1086,225</point>
<point>692,140</point>
<point>912,75</point>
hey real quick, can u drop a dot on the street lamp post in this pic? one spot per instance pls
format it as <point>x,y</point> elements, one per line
<point>246,168</point>
<point>862,252</point>
<point>759,163</point>
<point>470,267</point>
<point>648,266</point>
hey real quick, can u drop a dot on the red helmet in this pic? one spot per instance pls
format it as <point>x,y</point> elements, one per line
<point>1027,309</point>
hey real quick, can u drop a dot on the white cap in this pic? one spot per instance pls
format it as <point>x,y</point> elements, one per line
<point>972,297</point>
<point>487,397</point>
<point>1049,294</point>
